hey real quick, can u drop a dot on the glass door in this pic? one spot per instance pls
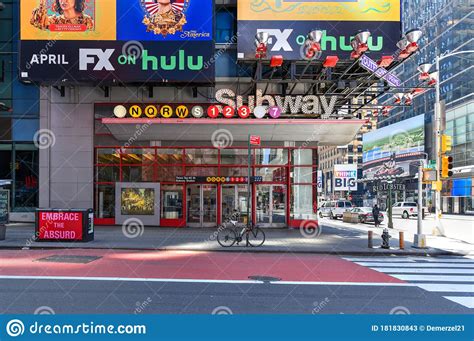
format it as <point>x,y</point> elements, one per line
<point>271,205</point>
<point>202,205</point>
<point>234,199</point>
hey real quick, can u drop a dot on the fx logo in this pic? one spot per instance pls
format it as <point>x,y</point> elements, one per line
<point>281,38</point>
<point>88,56</point>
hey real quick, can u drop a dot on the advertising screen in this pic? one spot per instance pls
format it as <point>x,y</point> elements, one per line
<point>345,177</point>
<point>288,22</point>
<point>138,201</point>
<point>394,150</point>
<point>119,41</point>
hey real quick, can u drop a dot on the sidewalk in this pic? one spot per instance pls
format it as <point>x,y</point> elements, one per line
<point>338,240</point>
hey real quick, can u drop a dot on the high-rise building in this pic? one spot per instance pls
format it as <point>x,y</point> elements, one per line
<point>19,121</point>
<point>447,27</point>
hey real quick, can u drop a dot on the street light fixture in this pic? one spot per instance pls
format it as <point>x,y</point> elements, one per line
<point>409,43</point>
<point>424,70</point>
<point>312,44</point>
<point>359,44</point>
<point>398,97</point>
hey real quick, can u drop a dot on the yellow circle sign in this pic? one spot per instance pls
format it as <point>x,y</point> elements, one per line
<point>182,111</point>
<point>135,111</point>
<point>166,111</point>
<point>151,111</point>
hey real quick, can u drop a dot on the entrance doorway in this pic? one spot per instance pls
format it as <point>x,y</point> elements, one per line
<point>271,205</point>
<point>202,205</point>
<point>234,198</point>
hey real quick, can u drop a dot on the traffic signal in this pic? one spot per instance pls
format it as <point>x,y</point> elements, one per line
<point>446,166</point>
<point>446,143</point>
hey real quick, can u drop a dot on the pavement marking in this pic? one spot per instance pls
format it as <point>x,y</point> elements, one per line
<point>435,278</point>
<point>382,259</point>
<point>418,265</point>
<point>424,271</point>
<point>451,287</point>
<point>216,281</point>
<point>468,302</point>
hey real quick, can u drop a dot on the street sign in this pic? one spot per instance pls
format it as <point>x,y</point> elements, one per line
<point>429,175</point>
<point>372,66</point>
<point>255,140</point>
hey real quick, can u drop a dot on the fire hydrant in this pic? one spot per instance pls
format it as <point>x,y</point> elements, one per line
<point>386,239</point>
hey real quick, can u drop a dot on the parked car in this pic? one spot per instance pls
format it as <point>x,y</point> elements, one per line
<point>365,214</point>
<point>334,209</point>
<point>405,209</point>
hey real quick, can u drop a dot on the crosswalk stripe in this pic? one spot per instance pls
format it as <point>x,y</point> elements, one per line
<point>425,271</point>
<point>382,259</point>
<point>451,287</point>
<point>435,278</point>
<point>412,260</point>
<point>417,265</point>
<point>468,301</point>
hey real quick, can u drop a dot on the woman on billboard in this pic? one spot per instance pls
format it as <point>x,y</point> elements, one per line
<point>70,16</point>
<point>164,16</point>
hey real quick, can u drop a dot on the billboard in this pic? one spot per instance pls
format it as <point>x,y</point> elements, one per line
<point>120,41</point>
<point>394,150</point>
<point>345,177</point>
<point>288,22</point>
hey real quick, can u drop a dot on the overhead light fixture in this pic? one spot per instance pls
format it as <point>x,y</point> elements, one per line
<point>413,36</point>
<point>312,44</point>
<point>261,41</point>
<point>398,97</point>
<point>424,69</point>
<point>408,98</point>
<point>433,78</point>
<point>359,44</point>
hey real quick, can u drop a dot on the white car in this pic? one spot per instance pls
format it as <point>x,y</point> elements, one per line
<point>334,209</point>
<point>405,209</point>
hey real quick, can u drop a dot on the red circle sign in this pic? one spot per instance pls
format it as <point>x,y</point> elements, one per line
<point>228,112</point>
<point>244,111</point>
<point>213,111</point>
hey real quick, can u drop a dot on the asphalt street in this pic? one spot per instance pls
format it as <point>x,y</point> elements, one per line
<point>173,282</point>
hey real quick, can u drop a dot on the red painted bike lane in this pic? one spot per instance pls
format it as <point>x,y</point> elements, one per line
<point>190,265</point>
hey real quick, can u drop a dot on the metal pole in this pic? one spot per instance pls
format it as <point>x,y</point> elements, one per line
<point>437,144</point>
<point>390,218</point>
<point>420,200</point>
<point>248,182</point>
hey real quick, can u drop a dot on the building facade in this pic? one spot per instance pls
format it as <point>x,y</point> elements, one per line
<point>447,28</point>
<point>19,121</point>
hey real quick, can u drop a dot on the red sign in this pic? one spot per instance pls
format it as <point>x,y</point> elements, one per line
<point>60,225</point>
<point>255,140</point>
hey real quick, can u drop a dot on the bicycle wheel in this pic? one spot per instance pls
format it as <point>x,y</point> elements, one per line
<point>256,237</point>
<point>226,237</point>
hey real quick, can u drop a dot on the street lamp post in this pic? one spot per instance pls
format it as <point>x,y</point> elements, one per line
<point>437,128</point>
<point>389,209</point>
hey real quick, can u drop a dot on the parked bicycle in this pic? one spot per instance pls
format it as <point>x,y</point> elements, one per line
<point>233,232</point>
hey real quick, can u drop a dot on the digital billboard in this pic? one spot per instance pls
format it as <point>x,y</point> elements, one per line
<point>345,177</point>
<point>394,150</point>
<point>120,41</point>
<point>288,22</point>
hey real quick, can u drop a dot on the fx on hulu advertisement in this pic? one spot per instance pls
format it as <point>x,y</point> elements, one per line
<point>395,150</point>
<point>72,41</point>
<point>288,22</point>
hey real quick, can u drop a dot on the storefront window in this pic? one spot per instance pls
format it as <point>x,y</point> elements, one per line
<point>108,174</point>
<point>171,202</point>
<point>302,157</point>
<point>272,174</point>
<point>302,202</point>
<point>169,156</point>
<point>105,201</point>
<point>274,156</point>
<point>26,177</point>
<point>303,175</point>
<point>137,173</point>
<point>138,156</point>
<point>108,156</point>
<point>168,174</point>
<point>233,171</point>
<point>234,156</point>
<point>201,156</point>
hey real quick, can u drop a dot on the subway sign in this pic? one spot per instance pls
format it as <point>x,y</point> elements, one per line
<point>218,179</point>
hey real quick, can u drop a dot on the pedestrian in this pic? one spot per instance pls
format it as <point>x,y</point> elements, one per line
<point>375,214</point>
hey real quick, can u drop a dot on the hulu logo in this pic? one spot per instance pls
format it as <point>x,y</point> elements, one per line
<point>333,43</point>
<point>170,63</point>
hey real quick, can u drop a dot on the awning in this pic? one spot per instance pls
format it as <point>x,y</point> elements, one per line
<point>322,132</point>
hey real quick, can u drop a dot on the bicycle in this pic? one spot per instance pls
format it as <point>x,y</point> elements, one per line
<point>228,236</point>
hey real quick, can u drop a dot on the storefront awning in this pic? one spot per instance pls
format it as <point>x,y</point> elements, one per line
<point>322,132</point>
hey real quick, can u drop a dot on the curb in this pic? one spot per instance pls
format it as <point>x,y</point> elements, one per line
<point>394,252</point>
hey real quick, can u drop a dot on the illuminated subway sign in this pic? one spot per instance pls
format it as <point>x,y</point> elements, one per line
<point>310,105</point>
